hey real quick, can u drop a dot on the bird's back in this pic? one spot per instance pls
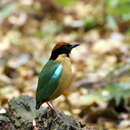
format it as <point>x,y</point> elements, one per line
<point>48,81</point>
<point>66,77</point>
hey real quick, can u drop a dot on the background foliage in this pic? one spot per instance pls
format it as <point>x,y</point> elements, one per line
<point>29,30</point>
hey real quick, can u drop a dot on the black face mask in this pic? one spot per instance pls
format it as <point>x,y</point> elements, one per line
<point>65,49</point>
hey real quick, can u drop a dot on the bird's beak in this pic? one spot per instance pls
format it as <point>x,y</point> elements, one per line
<point>74,45</point>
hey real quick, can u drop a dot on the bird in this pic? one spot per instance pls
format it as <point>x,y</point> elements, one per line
<point>56,75</point>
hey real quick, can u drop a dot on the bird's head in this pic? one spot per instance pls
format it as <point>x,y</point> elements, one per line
<point>62,48</point>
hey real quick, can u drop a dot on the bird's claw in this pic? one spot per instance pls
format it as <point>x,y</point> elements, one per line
<point>58,117</point>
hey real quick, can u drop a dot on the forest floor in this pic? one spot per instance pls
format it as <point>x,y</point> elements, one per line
<point>100,91</point>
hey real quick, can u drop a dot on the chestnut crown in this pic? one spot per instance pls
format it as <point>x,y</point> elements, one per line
<point>62,48</point>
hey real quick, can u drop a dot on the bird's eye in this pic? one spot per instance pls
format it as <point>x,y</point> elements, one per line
<point>68,46</point>
<point>65,47</point>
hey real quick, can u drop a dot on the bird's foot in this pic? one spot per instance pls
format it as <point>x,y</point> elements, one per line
<point>50,105</point>
<point>58,117</point>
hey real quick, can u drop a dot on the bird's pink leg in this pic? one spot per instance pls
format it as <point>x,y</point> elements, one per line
<point>50,105</point>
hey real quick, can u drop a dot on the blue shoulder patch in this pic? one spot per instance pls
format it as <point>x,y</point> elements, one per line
<point>48,81</point>
<point>57,71</point>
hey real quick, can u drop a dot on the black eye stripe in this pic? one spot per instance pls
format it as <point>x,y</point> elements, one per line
<point>65,49</point>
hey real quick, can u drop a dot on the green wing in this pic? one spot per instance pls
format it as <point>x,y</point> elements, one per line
<point>48,81</point>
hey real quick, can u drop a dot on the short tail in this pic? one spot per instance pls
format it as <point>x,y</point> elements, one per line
<point>38,106</point>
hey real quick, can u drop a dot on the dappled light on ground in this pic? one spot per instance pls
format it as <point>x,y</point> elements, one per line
<point>100,91</point>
